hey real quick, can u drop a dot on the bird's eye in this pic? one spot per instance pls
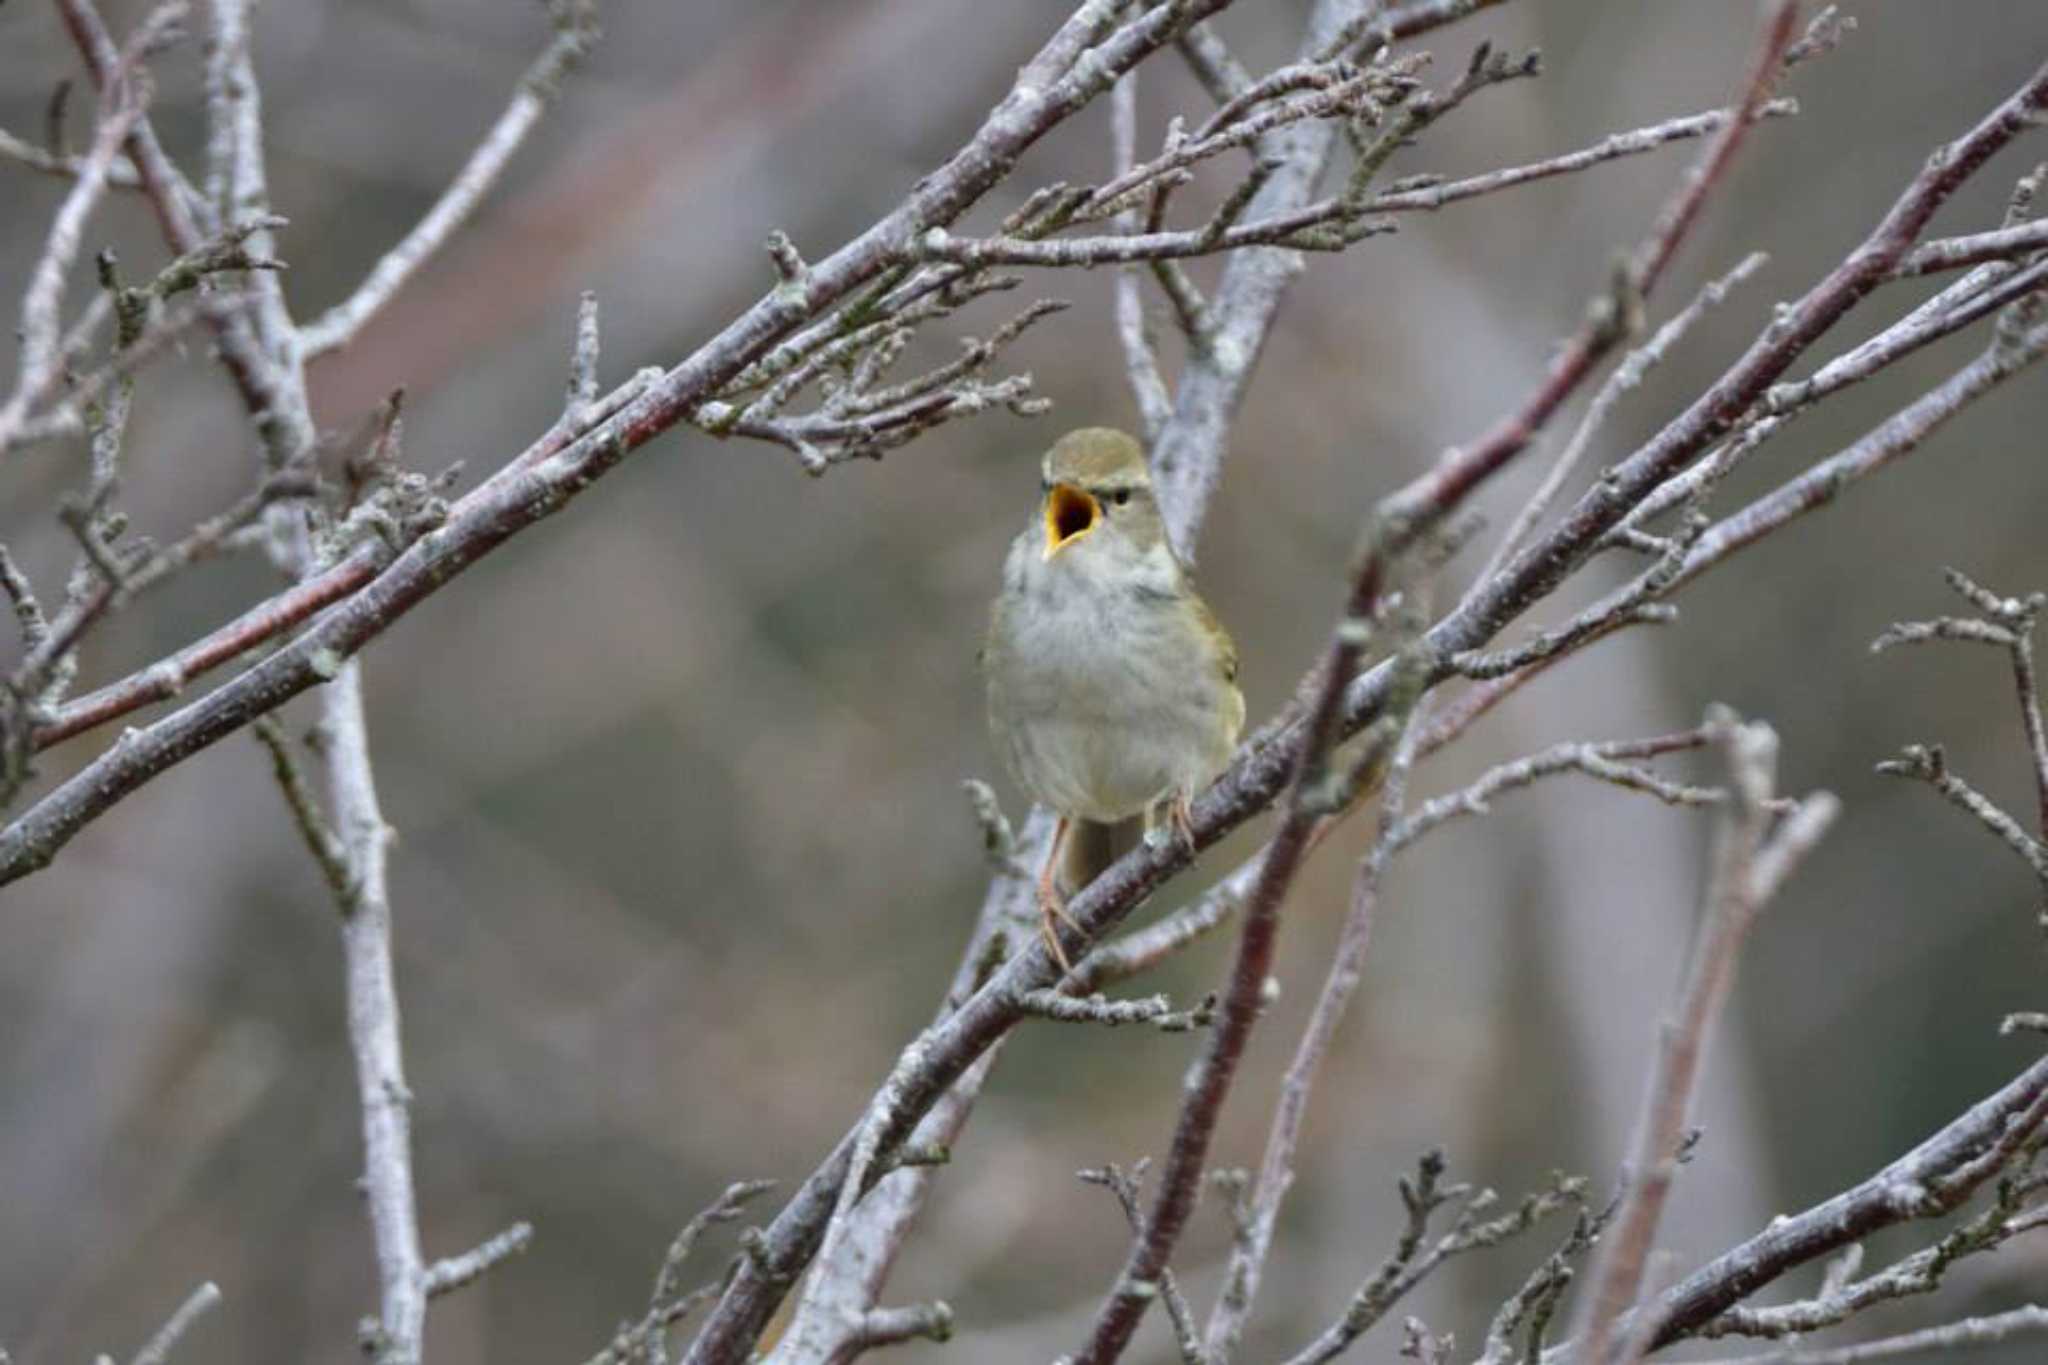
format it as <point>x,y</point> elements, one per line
<point>1121,496</point>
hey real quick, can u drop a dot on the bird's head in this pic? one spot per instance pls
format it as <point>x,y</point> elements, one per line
<point>1098,502</point>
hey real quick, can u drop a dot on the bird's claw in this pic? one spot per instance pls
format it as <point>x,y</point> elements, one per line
<point>1052,913</point>
<point>1182,823</point>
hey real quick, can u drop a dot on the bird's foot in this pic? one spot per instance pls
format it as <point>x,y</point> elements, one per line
<point>1052,913</point>
<point>1168,823</point>
<point>1181,822</point>
<point>1052,907</point>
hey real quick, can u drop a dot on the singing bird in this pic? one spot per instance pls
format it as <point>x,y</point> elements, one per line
<point>1112,688</point>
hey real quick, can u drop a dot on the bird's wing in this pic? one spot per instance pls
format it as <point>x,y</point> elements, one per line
<point>1226,648</point>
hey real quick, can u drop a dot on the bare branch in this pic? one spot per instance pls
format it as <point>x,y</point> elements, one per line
<point>452,1273</point>
<point>168,677</point>
<point>1125,1186</point>
<point>1953,253</point>
<point>2011,626</point>
<point>197,1304</point>
<point>1627,377</point>
<point>576,31</point>
<point>165,328</point>
<point>1984,1331</point>
<point>1304,228</point>
<point>321,841</point>
<point>1187,457</point>
<point>1141,361</point>
<point>1416,1257</point>
<point>669,1302</point>
<point>1748,867</point>
<point>126,97</point>
<point>1605,761</point>
<point>1967,302</point>
<point>28,613</point>
<point>890,1326</point>
<point>1929,764</point>
<point>1142,949</point>
<point>1248,1254</point>
<point>842,1290</point>
<point>1432,194</point>
<point>1899,435</point>
<point>1397,829</point>
<point>1919,1273</point>
<point>373,1022</point>
<point>1529,1309</point>
<point>121,175</point>
<point>1933,1179</point>
<point>1536,570</point>
<point>1100,1009</point>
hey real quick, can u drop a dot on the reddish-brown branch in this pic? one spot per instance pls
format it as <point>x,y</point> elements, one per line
<point>1398,524</point>
<point>1537,570</point>
<point>169,676</point>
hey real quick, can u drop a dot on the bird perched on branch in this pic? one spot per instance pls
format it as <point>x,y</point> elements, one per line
<point>1112,688</point>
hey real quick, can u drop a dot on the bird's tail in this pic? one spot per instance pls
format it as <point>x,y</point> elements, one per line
<point>1091,847</point>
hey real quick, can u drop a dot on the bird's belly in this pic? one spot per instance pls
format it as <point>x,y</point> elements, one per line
<point>1097,773</point>
<point>1102,723</point>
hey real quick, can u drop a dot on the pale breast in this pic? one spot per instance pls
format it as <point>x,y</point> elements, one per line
<point>1105,696</point>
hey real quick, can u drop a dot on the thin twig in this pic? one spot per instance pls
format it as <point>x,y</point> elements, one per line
<point>576,30</point>
<point>1125,1186</point>
<point>1604,761</point>
<point>320,839</point>
<point>1969,302</point>
<point>1232,1309</point>
<point>2010,626</point>
<point>1929,764</point>
<point>1921,1272</point>
<point>1306,228</point>
<point>1141,361</point>
<point>196,1305</point>
<point>1627,377</point>
<point>1749,864</point>
<point>1417,1256</point>
<point>668,1303</point>
<point>1969,1332</point>
<point>1893,439</point>
<point>1933,1179</point>
<point>452,1273</point>
<point>121,175</point>
<point>126,95</point>
<point>1953,253</point>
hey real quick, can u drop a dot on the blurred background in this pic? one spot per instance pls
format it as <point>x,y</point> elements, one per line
<point>683,857</point>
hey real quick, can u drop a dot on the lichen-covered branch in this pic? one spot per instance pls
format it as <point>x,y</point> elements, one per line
<point>1935,1178</point>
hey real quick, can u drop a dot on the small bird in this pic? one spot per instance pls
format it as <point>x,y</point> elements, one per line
<point>1112,688</point>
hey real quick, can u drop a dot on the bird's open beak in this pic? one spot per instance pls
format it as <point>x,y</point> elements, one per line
<point>1070,514</point>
